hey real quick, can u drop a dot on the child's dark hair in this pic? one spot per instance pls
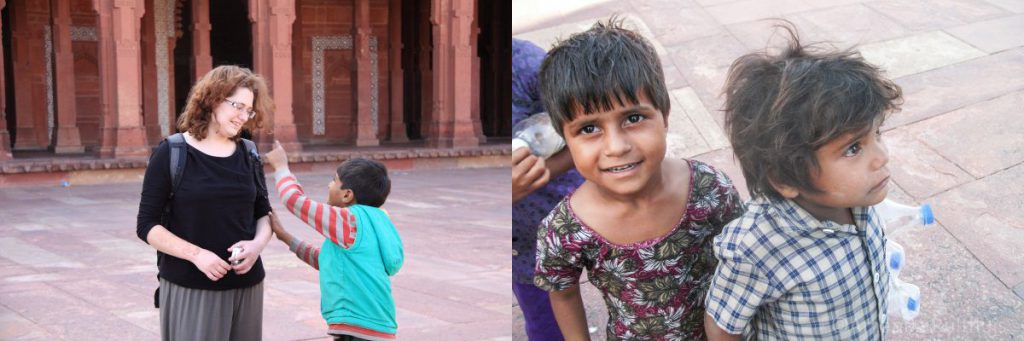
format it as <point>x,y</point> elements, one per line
<point>595,70</point>
<point>779,109</point>
<point>368,180</point>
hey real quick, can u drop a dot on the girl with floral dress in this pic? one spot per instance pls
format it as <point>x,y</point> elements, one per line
<point>640,225</point>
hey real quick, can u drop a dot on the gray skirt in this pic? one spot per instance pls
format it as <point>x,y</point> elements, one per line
<point>196,314</point>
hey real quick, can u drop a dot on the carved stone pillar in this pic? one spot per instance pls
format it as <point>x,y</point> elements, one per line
<point>202,60</point>
<point>272,47</point>
<point>68,138</point>
<point>454,122</point>
<point>363,105</point>
<point>120,64</point>
<point>29,24</point>
<point>397,112</point>
<point>5,138</point>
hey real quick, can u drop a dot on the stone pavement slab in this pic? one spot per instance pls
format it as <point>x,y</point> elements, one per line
<point>986,217</point>
<point>949,88</point>
<point>992,35</point>
<point>979,138</point>
<point>917,53</point>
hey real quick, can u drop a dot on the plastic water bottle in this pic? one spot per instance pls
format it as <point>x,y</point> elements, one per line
<point>537,133</point>
<point>65,183</point>
<point>895,215</point>
<point>904,299</point>
<point>895,257</point>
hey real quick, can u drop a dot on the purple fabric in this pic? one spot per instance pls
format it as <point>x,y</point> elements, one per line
<point>528,212</point>
<point>540,320</point>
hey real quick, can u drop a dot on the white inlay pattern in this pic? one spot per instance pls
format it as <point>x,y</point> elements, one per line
<point>343,42</point>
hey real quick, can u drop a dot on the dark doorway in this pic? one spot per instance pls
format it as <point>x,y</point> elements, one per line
<point>183,62</point>
<point>8,76</point>
<point>494,46</point>
<point>230,33</point>
<point>412,53</point>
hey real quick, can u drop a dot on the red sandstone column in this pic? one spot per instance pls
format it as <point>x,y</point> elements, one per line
<point>366,124</point>
<point>439,133</point>
<point>28,19</point>
<point>465,120</point>
<point>118,31</point>
<point>272,39</point>
<point>5,138</point>
<point>150,116</point>
<point>203,62</point>
<point>68,138</point>
<point>453,124</point>
<point>397,79</point>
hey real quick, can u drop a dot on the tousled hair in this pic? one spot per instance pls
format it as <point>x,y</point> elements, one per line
<point>779,109</point>
<point>216,86</point>
<point>368,180</point>
<point>600,68</point>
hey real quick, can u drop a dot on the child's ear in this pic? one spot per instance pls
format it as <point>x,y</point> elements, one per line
<point>786,191</point>
<point>348,197</point>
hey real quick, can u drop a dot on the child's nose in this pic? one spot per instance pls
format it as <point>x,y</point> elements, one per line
<point>616,143</point>
<point>882,157</point>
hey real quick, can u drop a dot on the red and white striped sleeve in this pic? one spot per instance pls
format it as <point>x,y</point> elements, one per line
<point>335,223</point>
<point>308,253</point>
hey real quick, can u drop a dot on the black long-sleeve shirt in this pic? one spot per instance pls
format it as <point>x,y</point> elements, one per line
<point>215,206</point>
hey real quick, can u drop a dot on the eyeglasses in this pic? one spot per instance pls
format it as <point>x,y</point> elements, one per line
<point>241,107</point>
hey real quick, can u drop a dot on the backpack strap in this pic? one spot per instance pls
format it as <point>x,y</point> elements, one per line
<point>177,144</point>
<point>257,167</point>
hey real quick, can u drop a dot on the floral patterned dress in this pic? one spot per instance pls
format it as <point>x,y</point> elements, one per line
<point>654,289</point>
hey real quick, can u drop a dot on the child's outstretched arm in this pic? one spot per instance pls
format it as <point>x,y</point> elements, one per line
<point>337,224</point>
<point>567,306</point>
<point>308,253</point>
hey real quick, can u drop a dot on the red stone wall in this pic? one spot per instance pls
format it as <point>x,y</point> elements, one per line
<point>333,18</point>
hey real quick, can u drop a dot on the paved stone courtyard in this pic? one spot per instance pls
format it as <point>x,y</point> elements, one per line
<point>957,144</point>
<point>72,268</point>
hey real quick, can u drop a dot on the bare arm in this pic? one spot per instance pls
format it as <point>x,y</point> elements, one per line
<point>251,249</point>
<point>560,163</point>
<point>209,263</point>
<point>716,333</point>
<point>572,318</point>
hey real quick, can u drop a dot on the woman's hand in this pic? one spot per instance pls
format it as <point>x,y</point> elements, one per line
<point>251,250</point>
<point>210,264</point>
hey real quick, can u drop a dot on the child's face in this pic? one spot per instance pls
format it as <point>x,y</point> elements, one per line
<point>853,172</point>
<point>619,150</point>
<point>337,196</point>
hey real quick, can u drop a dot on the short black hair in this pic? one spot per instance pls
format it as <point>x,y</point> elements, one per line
<point>596,69</point>
<point>368,180</point>
<point>779,109</point>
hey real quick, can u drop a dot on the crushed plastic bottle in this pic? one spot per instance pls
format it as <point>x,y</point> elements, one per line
<point>896,216</point>
<point>537,133</point>
<point>895,257</point>
<point>64,183</point>
<point>904,299</point>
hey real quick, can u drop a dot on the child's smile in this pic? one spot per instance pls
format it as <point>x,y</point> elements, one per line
<point>620,150</point>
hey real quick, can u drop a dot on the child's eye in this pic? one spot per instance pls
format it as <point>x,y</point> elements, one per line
<point>634,118</point>
<point>588,129</point>
<point>852,150</point>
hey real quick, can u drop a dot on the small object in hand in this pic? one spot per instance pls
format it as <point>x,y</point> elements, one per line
<point>234,253</point>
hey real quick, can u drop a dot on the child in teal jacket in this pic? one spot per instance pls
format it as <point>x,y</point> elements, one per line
<point>361,250</point>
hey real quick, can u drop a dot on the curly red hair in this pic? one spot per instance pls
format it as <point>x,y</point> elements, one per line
<point>216,86</point>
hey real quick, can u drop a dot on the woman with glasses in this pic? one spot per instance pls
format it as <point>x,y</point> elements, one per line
<point>216,209</point>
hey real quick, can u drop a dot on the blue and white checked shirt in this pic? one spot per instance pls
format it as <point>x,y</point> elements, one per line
<point>785,275</point>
